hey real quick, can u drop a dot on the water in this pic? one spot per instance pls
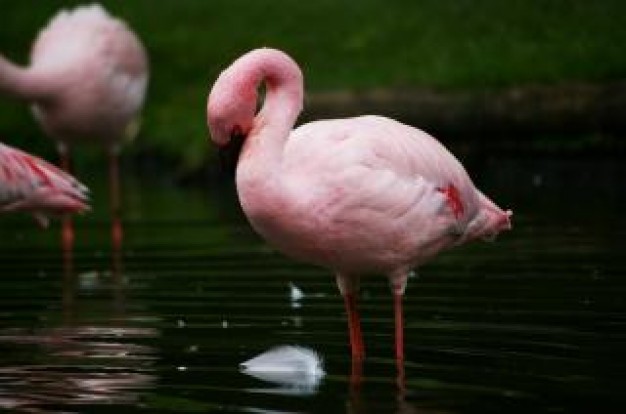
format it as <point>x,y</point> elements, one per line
<point>532,323</point>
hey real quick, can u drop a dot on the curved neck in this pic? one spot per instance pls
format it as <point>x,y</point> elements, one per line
<point>282,103</point>
<point>21,83</point>
<point>284,93</point>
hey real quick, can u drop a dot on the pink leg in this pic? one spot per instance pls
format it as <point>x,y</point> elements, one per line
<point>398,281</point>
<point>354,326</point>
<point>67,232</point>
<point>356,378</point>
<point>117,233</point>
<point>399,324</point>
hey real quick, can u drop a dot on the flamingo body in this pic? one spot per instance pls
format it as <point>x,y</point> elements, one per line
<point>365,195</point>
<point>358,195</point>
<point>28,183</point>
<point>86,80</point>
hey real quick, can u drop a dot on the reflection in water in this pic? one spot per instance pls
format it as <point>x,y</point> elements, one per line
<point>118,280</point>
<point>89,280</point>
<point>360,404</point>
<point>68,295</point>
<point>359,401</point>
<point>84,365</point>
<point>78,364</point>
<point>400,379</point>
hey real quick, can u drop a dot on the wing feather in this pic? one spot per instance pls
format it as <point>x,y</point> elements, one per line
<point>28,183</point>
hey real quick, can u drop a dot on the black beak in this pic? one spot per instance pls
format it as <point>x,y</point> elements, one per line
<point>229,154</point>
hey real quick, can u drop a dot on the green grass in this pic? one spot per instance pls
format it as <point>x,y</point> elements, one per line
<point>340,44</point>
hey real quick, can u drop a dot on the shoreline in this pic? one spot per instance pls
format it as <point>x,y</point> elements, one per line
<point>532,109</point>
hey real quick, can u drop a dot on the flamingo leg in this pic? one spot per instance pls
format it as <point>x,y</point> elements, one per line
<point>67,231</point>
<point>117,232</point>
<point>349,287</point>
<point>398,282</point>
<point>399,326</point>
<point>354,327</point>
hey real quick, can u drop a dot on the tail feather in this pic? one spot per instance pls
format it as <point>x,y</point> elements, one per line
<point>489,221</point>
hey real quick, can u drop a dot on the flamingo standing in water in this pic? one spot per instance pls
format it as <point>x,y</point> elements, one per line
<point>28,183</point>
<point>86,82</point>
<point>358,196</point>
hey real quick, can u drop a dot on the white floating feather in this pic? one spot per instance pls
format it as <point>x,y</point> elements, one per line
<point>287,365</point>
<point>295,293</point>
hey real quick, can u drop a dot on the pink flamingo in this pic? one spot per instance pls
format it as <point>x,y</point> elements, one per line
<point>28,183</point>
<point>86,82</point>
<point>359,196</point>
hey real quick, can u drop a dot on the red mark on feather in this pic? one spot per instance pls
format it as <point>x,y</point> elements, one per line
<point>453,198</point>
<point>8,174</point>
<point>32,164</point>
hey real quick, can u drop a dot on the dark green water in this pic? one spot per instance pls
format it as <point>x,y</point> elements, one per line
<point>532,323</point>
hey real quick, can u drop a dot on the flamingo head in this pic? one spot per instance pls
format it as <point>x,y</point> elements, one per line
<point>231,110</point>
<point>231,106</point>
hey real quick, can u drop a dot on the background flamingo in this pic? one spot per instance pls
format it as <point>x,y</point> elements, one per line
<point>28,183</point>
<point>86,82</point>
<point>359,196</point>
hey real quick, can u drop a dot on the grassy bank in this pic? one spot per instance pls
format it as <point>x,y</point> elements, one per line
<point>341,44</point>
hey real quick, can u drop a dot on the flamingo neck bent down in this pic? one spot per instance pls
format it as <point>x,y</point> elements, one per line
<point>23,83</point>
<point>284,90</point>
<point>13,79</point>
